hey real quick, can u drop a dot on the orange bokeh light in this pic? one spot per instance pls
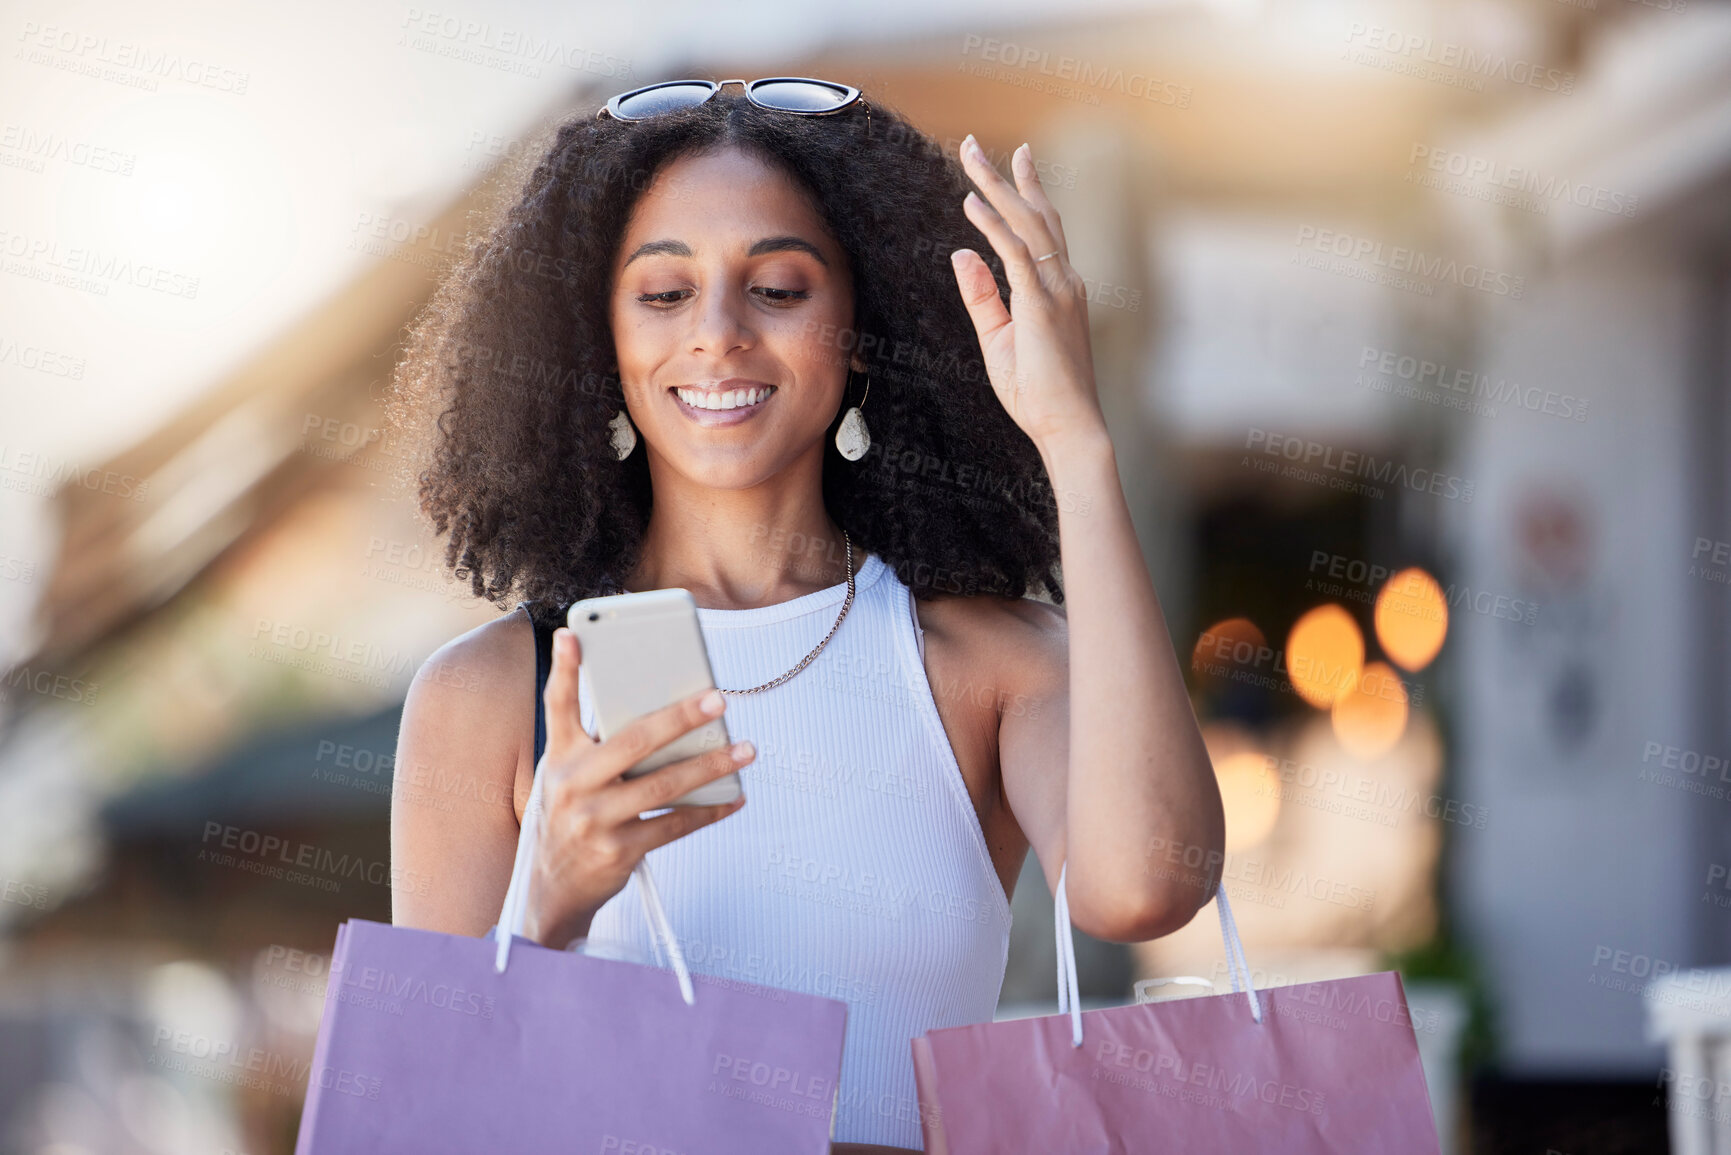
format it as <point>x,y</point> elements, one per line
<point>1370,717</point>
<point>1324,654</point>
<point>1228,643</point>
<point>1412,618</point>
<point>1250,794</point>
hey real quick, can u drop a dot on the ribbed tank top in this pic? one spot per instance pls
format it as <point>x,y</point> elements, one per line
<point>857,868</point>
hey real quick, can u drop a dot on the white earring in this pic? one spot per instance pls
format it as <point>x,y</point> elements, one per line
<point>852,438</point>
<point>624,436</point>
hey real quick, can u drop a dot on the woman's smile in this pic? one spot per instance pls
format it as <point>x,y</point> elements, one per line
<point>728,403</point>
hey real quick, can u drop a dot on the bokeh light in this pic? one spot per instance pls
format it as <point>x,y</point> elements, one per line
<point>1370,717</point>
<point>1412,618</point>
<point>1250,793</point>
<point>1324,654</point>
<point>1234,641</point>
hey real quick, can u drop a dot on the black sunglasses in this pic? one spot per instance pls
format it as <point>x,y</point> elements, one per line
<point>800,95</point>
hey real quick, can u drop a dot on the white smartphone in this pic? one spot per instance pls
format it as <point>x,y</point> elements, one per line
<point>640,652</point>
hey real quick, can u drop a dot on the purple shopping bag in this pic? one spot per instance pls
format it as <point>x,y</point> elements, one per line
<point>1328,1068</point>
<point>434,1043</point>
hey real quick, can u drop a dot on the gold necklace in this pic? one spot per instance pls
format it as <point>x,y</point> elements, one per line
<point>846,604</point>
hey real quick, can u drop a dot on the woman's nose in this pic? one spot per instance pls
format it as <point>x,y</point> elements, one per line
<point>720,324</point>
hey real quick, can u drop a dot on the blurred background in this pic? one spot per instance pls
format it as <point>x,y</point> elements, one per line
<point>1411,323</point>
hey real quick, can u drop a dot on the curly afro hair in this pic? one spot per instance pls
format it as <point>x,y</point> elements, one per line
<point>515,354</point>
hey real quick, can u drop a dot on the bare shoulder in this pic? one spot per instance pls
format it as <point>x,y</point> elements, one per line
<point>493,662</point>
<point>474,697</point>
<point>466,734</point>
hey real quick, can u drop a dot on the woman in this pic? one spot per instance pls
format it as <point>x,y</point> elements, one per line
<point>643,371</point>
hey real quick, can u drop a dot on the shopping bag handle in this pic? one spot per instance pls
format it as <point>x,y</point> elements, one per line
<point>516,908</point>
<point>1069,996</point>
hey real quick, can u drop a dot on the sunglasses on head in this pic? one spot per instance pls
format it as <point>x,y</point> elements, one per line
<point>800,95</point>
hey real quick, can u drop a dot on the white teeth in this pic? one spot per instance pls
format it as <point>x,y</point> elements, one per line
<point>731,399</point>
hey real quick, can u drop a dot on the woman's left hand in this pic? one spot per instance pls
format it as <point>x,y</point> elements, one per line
<point>1037,352</point>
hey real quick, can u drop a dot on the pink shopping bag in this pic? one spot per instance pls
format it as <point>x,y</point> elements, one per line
<point>1327,1068</point>
<point>436,1043</point>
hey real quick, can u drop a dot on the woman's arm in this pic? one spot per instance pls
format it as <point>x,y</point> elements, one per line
<point>1127,781</point>
<point>1112,777</point>
<point>453,820</point>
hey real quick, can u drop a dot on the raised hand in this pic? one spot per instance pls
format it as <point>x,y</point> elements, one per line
<point>1037,351</point>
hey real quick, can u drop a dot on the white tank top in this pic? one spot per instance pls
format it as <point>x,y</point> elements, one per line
<point>857,869</point>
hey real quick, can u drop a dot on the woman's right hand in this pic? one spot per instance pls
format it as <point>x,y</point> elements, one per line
<point>591,837</point>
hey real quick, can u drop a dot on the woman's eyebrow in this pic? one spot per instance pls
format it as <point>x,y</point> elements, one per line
<point>781,244</point>
<point>786,244</point>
